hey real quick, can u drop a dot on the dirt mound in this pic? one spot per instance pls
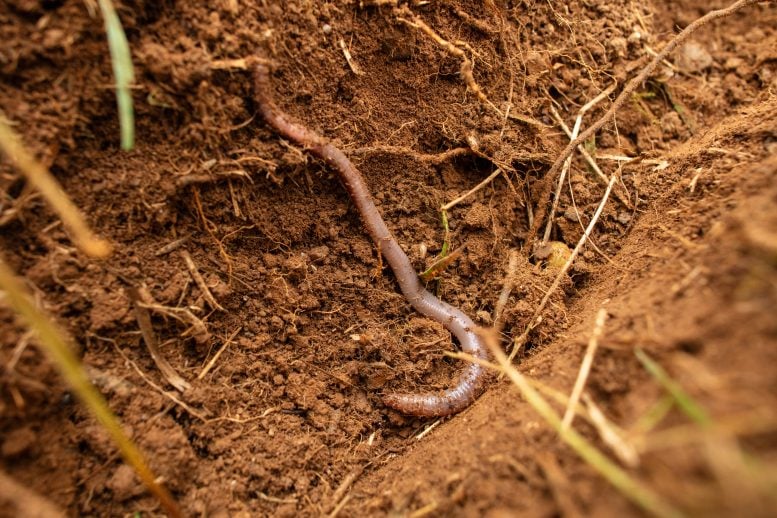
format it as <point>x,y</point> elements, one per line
<point>288,420</point>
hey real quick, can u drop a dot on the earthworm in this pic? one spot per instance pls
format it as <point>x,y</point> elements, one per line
<point>471,381</point>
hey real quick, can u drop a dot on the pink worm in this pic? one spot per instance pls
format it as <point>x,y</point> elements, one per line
<point>470,383</point>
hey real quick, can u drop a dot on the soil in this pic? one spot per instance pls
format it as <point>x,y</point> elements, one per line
<point>288,421</point>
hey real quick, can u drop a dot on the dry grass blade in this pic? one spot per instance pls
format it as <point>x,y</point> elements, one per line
<point>572,136</point>
<point>439,266</point>
<point>229,64</point>
<point>197,328</point>
<point>169,395</point>
<point>339,507</point>
<point>429,158</point>
<point>427,430</point>
<point>591,160</point>
<point>172,246</point>
<point>654,415</point>
<point>149,337</point>
<point>40,178</point>
<point>625,451</point>
<point>424,511</point>
<point>757,422</point>
<point>16,206</point>
<point>742,479</point>
<point>339,496</point>
<point>349,58</point>
<point>275,500</point>
<point>611,434</point>
<point>585,367</point>
<point>121,60</point>
<point>560,486</point>
<point>56,346</point>
<point>561,178</point>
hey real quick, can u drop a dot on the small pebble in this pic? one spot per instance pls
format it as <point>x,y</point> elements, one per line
<point>558,255</point>
<point>326,28</point>
<point>422,250</point>
<point>693,57</point>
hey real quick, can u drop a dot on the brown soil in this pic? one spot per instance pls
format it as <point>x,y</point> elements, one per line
<point>289,421</point>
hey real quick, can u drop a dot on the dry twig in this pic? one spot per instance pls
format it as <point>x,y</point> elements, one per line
<point>149,337</point>
<point>212,362</point>
<point>168,395</point>
<point>454,50</point>
<point>472,191</point>
<point>195,273</point>
<point>507,287</point>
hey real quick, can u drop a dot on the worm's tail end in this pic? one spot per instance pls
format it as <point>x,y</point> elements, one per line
<point>452,401</point>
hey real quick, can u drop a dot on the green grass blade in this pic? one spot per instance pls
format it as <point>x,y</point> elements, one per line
<point>684,401</point>
<point>654,415</point>
<point>121,60</point>
<point>54,343</point>
<point>446,236</point>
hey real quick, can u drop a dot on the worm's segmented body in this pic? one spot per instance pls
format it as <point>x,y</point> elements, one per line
<point>470,383</point>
